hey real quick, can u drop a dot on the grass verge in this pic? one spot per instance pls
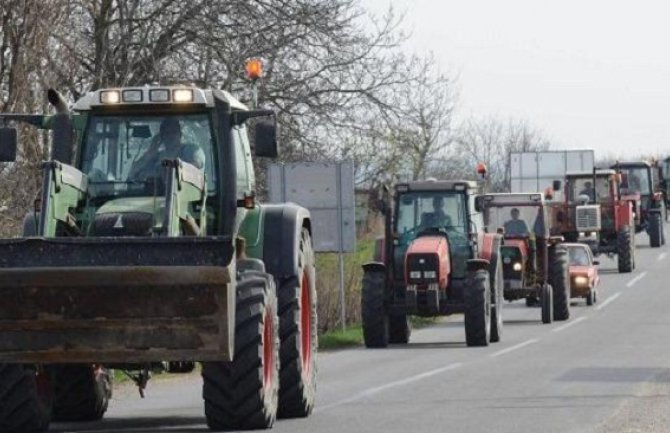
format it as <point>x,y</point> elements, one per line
<point>353,335</point>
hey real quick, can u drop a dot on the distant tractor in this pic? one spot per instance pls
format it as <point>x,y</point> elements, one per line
<point>535,264</point>
<point>637,186</point>
<point>147,250</point>
<point>663,181</point>
<point>594,212</point>
<point>434,260</point>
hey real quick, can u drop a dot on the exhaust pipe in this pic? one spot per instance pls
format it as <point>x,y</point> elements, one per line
<point>58,101</point>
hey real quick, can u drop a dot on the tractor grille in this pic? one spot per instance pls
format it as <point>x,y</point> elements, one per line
<point>123,224</point>
<point>587,218</point>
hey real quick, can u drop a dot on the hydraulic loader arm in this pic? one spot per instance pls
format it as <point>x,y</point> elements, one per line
<point>186,192</point>
<point>63,188</point>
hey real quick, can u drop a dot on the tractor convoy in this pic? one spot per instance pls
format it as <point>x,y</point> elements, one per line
<point>148,251</point>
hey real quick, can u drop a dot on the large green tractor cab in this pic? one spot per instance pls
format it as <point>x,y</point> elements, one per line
<point>147,250</point>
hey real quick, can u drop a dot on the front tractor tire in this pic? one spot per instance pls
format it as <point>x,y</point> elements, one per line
<point>243,394</point>
<point>497,283</point>
<point>547,303</point>
<point>625,250</point>
<point>25,400</point>
<point>373,310</point>
<point>81,392</point>
<point>655,229</point>
<point>559,275</point>
<point>399,329</point>
<point>477,314</point>
<point>298,334</point>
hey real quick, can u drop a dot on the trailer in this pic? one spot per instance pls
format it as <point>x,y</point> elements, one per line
<point>539,170</point>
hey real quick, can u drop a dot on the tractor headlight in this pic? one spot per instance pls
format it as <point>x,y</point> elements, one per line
<point>430,275</point>
<point>415,275</point>
<point>110,97</point>
<point>581,281</point>
<point>517,267</point>
<point>182,95</point>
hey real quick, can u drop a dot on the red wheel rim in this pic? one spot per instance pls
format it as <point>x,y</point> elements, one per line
<point>305,324</point>
<point>268,352</point>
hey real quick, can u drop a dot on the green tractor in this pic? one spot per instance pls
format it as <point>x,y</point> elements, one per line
<point>148,251</point>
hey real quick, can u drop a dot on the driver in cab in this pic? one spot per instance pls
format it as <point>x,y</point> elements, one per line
<point>516,226</point>
<point>438,218</point>
<point>166,145</point>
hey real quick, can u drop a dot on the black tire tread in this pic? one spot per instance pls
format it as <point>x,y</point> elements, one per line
<point>655,229</point>
<point>476,294</point>
<point>625,251</point>
<point>79,395</point>
<point>297,392</point>
<point>560,282</point>
<point>399,329</point>
<point>20,408</point>
<point>373,310</point>
<point>233,391</point>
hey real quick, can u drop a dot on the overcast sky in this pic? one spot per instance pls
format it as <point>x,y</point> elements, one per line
<point>590,73</point>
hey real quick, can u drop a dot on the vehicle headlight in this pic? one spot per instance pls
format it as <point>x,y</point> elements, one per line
<point>415,275</point>
<point>517,267</point>
<point>430,274</point>
<point>581,281</point>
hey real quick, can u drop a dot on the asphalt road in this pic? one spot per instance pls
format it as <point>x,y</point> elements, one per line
<point>606,370</point>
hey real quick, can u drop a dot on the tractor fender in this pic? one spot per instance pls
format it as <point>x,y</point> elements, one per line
<point>489,246</point>
<point>282,230</point>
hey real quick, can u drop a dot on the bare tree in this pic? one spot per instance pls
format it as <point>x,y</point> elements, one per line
<point>491,141</point>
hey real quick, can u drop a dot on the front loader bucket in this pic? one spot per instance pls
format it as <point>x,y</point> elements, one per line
<point>116,299</point>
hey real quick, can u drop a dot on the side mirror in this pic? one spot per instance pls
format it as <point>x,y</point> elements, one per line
<point>8,144</point>
<point>266,138</point>
<point>63,138</point>
<point>557,185</point>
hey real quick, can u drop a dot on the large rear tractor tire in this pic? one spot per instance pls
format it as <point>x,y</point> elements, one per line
<point>655,229</point>
<point>399,329</point>
<point>81,392</point>
<point>559,279</point>
<point>625,250</point>
<point>547,303</point>
<point>373,310</point>
<point>244,394</point>
<point>477,315</point>
<point>497,303</point>
<point>25,400</point>
<point>298,334</point>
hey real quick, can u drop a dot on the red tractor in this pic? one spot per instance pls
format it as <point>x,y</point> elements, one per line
<point>637,185</point>
<point>595,212</point>
<point>434,260</point>
<point>535,264</point>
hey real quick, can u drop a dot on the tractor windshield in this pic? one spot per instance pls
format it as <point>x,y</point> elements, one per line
<point>122,155</point>
<point>635,179</point>
<point>418,211</point>
<point>516,221</point>
<point>582,188</point>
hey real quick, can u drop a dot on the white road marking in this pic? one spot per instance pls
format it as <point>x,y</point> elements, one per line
<point>515,347</point>
<point>662,256</point>
<point>607,301</point>
<point>636,279</point>
<point>570,323</point>
<point>376,390</point>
